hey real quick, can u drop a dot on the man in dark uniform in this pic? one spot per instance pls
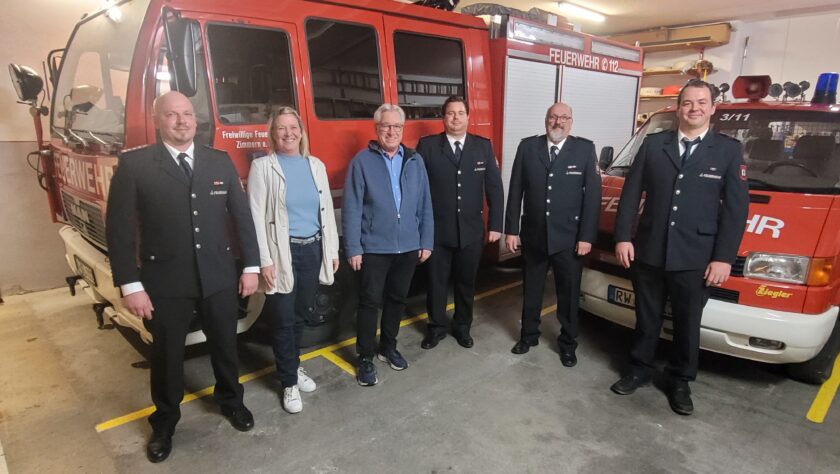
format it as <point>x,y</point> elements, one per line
<point>462,171</point>
<point>557,175</point>
<point>687,238</point>
<point>168,208</point>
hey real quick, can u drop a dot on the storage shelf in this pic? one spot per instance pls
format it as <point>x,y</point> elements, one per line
<point>654,97</point>
<point>672,72</point>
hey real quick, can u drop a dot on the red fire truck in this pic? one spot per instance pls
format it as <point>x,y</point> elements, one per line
<point>336,61</point>
<point>781,304</point>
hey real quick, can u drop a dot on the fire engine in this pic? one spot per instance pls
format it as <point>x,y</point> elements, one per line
<point>335,61</point>
<point>780,305</point>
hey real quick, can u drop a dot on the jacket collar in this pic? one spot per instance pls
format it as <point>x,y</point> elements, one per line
<point>408,153</point>
<point>446,148</point>
<point>565,152</point>
<point>704,149</point>
<point>164,160</point>
<point>275,165</point>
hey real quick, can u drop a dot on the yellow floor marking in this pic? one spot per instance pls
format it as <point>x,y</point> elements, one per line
<point>325,352</point>
<point>340,362</point>
<point>822,402</point>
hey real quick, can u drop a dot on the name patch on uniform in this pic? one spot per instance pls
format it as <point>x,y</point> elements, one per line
<point>710,176</point>
<point>480,168</point>
<point>574,172</point>
<point>219,192</point>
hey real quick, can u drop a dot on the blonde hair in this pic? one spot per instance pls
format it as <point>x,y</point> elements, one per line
<point>272,120</point>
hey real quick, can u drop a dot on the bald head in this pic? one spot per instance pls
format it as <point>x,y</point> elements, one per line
<point>175,119</point>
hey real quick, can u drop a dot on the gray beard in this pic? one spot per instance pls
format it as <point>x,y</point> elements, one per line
<point>555,135</point>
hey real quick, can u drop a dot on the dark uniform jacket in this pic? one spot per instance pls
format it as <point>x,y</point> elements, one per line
<point>693,214</point>
<point>459,187</point>
<point>180,233</point>
<point>561,198</point>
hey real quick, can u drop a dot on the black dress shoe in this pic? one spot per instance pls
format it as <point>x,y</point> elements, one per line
<point>159,447</point>
<point>521,347</point>
<point>568,358</point>
<point>679,397</point>
<point>464,340</point>
<point>431,340</point>
<point>628,384</point>
<point>240,418</point>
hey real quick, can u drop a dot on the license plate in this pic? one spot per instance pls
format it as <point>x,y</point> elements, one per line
<point>621,296</point>
<point>85,271</point>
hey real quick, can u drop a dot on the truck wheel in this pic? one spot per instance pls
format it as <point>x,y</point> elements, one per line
<point>334,312</point>
<point>818,369</point>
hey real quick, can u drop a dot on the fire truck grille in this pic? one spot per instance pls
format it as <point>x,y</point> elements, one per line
<point>738,267</point>
<point>86,217</point>
<point>722,294</point>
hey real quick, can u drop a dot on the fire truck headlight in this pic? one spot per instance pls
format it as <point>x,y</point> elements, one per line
<point>777,267</point>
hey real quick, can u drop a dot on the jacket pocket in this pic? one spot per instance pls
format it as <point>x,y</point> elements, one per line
<point>707,228</point>
<point>272,232</point>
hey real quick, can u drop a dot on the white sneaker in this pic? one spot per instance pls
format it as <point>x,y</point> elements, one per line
<point>291,399</point>
<point>305,382</point>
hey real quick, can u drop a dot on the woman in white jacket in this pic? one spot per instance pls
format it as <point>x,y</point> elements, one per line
<point>293,213</point>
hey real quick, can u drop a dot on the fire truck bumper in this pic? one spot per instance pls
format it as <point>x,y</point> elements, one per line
<point>761,334</point>
<point>92,265</point>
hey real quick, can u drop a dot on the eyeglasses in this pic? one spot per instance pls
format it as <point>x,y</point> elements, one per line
<point>559,118</point>
<point>390,127</point>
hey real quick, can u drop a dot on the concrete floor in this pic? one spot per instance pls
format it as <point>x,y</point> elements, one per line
<point>454,409</point>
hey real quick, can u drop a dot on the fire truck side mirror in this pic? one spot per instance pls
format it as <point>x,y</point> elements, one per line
<point>606,158</point>
<point>185,37</point>
<point>28,84</point>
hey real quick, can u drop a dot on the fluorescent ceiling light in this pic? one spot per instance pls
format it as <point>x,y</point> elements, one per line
<point>578,11</point>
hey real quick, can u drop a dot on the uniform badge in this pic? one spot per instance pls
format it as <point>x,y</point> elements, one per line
<point>743,172</point>
<point>218,183</point>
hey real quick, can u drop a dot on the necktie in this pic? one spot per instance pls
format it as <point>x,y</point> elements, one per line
<point>554,152</point>
<point>688,144</point>
<point>185,167</point>
<point>458,151</point>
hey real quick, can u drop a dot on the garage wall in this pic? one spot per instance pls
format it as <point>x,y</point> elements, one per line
<point>790,49</point>
<point>31,253</point>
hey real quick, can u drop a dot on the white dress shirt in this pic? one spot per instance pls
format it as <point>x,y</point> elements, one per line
<point>551,144</point>
<point>680,137</point>
<point>452,141</point>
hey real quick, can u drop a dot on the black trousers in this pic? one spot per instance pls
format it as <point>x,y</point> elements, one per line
<point>385,281</point>
<point>287,311</point>
<point>567,267</point>
<point>688,294</point>
<point>169,327</point>
<point>460,265</point>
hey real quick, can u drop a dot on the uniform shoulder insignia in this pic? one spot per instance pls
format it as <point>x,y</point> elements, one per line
<point>480,137</point>
<point>127,150</point>
<point>659,132</point>
<point>528,138</point>
<point>583,139</point>
<point>211,148</point>
<point>723,135</point>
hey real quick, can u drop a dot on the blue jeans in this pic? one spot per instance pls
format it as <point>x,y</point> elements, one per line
<point>285,311</point>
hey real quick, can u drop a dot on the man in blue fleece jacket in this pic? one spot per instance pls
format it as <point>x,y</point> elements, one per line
<point>388,228</point>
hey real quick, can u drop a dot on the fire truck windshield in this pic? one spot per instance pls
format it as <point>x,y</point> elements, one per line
<point>89,100</point>
<point>794,149</point>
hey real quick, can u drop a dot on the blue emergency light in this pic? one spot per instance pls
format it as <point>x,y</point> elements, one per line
<point>826,91</point>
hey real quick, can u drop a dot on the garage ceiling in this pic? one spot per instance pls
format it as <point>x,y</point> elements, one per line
<point>632,15</point>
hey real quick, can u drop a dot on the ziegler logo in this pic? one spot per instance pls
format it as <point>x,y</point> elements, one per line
<point>764,291</point>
